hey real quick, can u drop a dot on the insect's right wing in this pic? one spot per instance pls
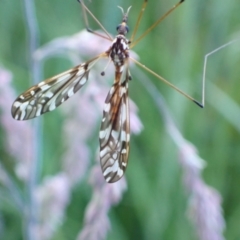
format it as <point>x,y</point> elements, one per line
<point>49,94</point>
<point>114,135</point>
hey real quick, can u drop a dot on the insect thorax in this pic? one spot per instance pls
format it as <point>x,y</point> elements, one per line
<point>119,50</point>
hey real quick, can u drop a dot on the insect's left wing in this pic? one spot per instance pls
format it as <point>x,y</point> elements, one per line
<point>114,135</point>
<point>49,94</point>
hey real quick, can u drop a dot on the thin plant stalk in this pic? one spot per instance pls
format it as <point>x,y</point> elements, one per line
<point>34,67</point>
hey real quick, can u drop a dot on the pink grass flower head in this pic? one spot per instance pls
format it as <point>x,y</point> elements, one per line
<point>97,222</point>
<point>16,132</point>
<point>53,196</point>
<point>205,202</point>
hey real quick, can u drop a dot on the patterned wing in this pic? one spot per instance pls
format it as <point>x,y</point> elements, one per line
<point>49,94</point>
<point>114,135</point>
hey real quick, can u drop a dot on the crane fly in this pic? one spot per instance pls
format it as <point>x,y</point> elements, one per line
<point>114,135</point>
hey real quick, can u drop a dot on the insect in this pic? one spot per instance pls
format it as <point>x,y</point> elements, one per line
<point>114,136</point>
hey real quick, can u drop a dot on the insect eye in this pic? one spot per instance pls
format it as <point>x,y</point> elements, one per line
<point>122,29</point>
<point>117,28</point>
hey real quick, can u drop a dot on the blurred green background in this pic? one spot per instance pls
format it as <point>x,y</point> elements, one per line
<point>154,206</point>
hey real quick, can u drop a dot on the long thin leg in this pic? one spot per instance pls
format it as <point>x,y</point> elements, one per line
<point>155,24</point>
<point>205,65</point>
<point>139,20</point>
<point>167,82</point>
<point>85,10</point>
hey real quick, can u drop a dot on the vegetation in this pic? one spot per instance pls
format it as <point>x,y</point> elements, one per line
<point>51,185</point>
